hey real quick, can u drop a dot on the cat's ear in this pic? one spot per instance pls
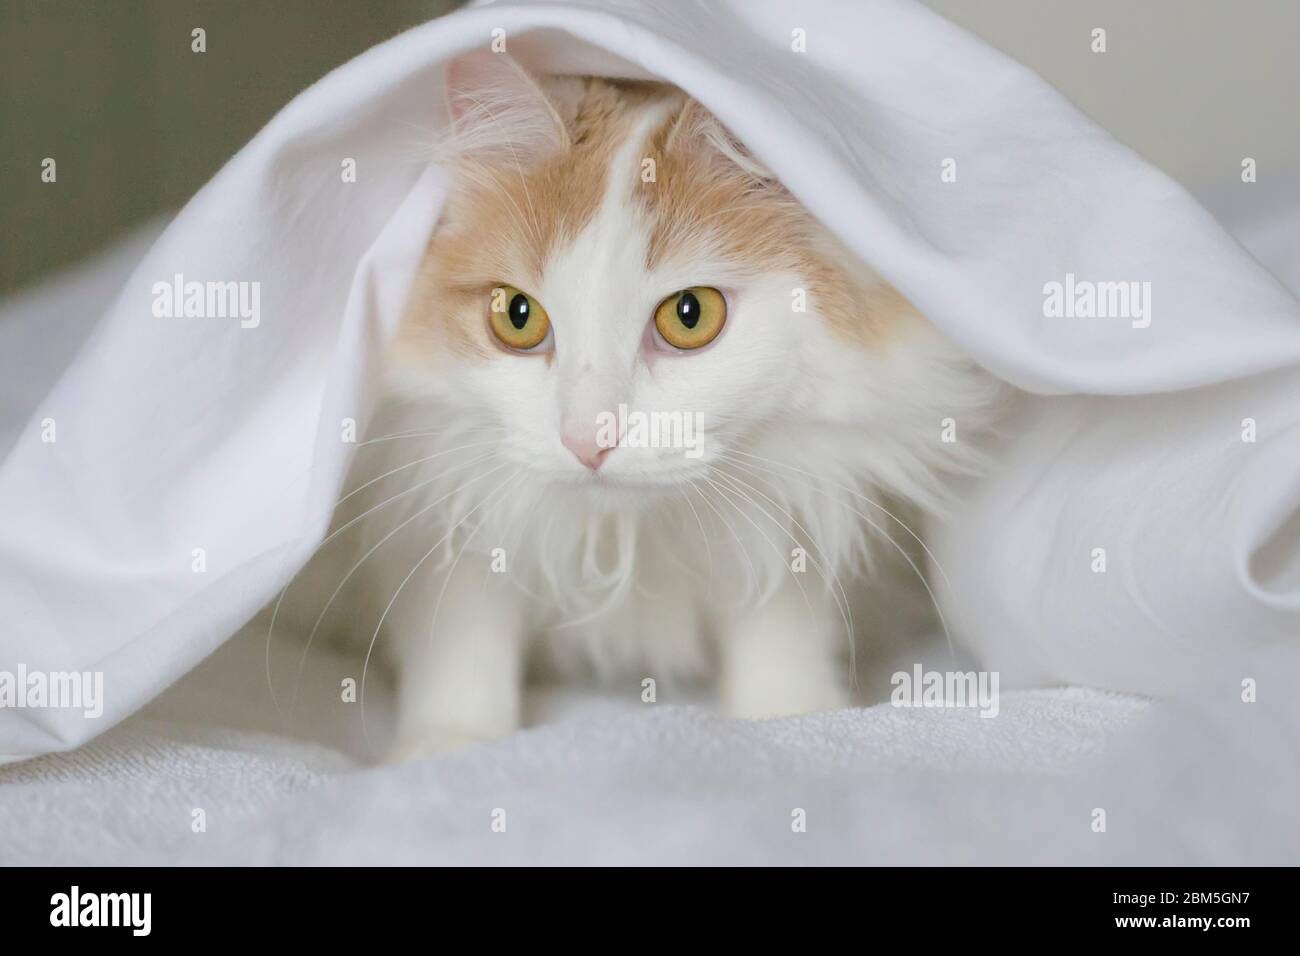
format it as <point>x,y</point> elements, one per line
<point>697,128</point>
<point>496,105</point>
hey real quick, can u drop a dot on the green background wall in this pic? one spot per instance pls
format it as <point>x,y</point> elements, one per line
<point>135,121</point>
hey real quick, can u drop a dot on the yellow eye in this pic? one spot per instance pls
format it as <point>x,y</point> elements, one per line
<point>692,318</point>
<point>517,319</point>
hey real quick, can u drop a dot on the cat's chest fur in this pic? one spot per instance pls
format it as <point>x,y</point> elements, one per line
<point>608,598</point>
<point>457,544</point>
<point>662,634</point>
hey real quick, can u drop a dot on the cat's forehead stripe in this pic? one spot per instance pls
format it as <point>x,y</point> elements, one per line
<point>604,167</point>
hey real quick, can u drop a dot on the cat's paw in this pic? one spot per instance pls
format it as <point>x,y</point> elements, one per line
<point>429,741</point>
<point>761,698</point>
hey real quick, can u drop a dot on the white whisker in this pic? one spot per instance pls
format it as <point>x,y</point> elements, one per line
<point>365,667</point>
<point>845,611</point>
<point>311,636</point>
<point>772,544</point>
<point>275,611</point>
<point>888,537</point>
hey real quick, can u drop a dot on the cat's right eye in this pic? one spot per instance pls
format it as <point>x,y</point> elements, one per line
<point>517,319</point>
<point>692,318</point>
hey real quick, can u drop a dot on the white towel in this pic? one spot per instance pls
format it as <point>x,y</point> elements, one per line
<point>1207,780</point>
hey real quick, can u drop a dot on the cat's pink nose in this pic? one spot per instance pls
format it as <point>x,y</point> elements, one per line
<point>586,450</point>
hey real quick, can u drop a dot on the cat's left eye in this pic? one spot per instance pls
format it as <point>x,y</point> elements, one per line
<point>517,319</point>
<point>692,318</point>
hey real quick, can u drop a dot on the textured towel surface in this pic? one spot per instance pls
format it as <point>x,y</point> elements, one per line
<point>1208,780</point>
<point>603,783</point>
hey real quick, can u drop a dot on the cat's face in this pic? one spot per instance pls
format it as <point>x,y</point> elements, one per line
<point>612,269</point>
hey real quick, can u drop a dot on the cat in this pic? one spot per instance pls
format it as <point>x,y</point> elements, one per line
<point>641,417</point>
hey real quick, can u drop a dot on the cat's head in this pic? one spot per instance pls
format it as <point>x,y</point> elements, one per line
<point>613,268</point>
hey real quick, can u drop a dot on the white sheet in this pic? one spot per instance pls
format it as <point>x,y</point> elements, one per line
<point>184,434</point>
